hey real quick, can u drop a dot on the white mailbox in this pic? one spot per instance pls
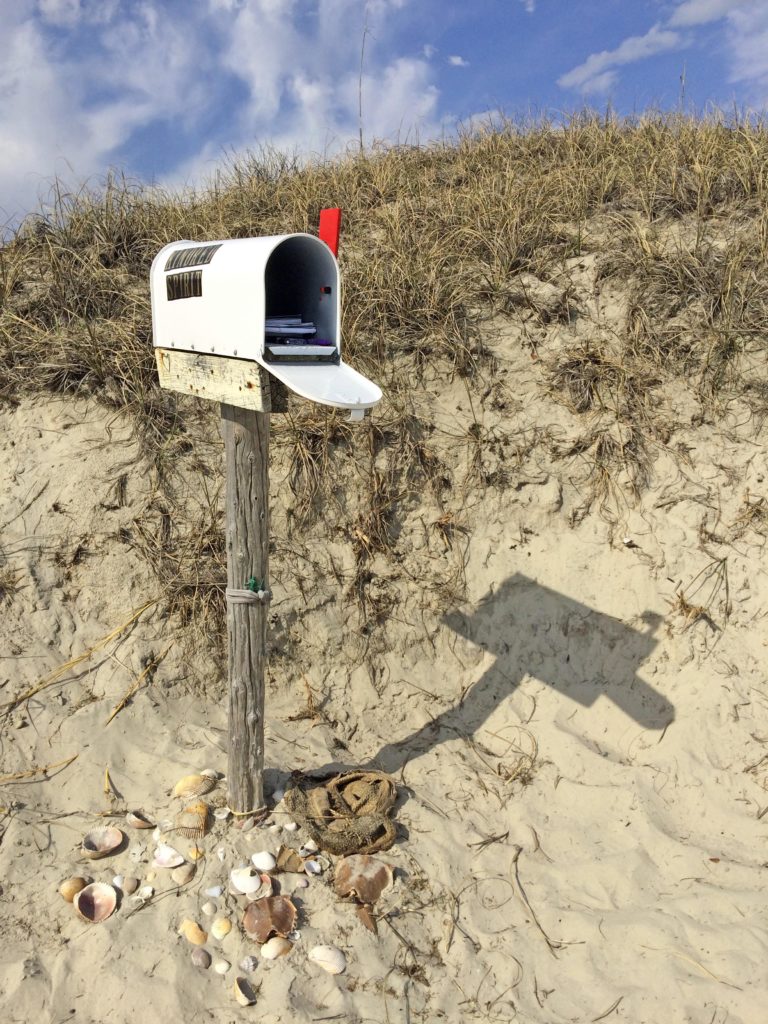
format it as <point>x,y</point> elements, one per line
<point>272,300</point>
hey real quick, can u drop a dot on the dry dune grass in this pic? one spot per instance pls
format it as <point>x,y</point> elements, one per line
<point>438,241</point>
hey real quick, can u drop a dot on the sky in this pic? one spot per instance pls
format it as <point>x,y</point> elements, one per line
<point>167,90</point>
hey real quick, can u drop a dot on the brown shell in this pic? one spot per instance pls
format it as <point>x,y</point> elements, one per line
<point>272,915</point>
<point>194,821</point>
<point>193,785</point>
<point>289,860</point>
<point>95,902</point>
<point>362,876</point>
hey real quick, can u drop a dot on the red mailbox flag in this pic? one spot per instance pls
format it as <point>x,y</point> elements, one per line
<point>330,226</point>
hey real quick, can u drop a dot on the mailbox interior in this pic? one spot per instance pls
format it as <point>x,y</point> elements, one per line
<point>301,277</point>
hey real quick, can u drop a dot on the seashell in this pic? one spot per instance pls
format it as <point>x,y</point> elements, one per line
<point>301,883</point>
<point>146,892</point>
<point>362,876</point>
<point>194,785</point>
<point>151,876</point>
<point>244,824</point>
<point>248,964</point>
<point>192,932</point>
<point>95,902</point>
<point>264,861</point>
<point>272,915</point>
<point>221,853</point>
<point>294,937</point>
<point>221,966</point>
<point>183,873</point>
<point>211,773</point>
<point>201,958</point>
<point>209,909</point>
<point>289,860</point>
<point>313,867</point>
<point>221,927</point>
<point>70,887</point>
<point>308,848</point>
<point>100,842</point>
<point>130,885</point>
<point>159,831</point>
<point>196,853</point>
<point>276,947</point>
<point>194,821</point>
<point>290,826</point>
<point>330,958</point>
<point>250,882</point>
<point>138,819</point>
<point>221,813</point>
<point>167,857</point>
<point>243,992</point>
<point>214,892</point>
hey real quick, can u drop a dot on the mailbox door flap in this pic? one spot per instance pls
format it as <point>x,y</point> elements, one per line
<point>337,385</point>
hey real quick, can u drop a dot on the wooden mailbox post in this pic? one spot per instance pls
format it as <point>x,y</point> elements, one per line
<point>242,322</point>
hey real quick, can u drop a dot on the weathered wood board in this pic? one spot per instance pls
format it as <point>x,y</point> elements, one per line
<point>238,382</point>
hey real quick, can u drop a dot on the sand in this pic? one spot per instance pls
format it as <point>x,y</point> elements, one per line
<point>582,769</point>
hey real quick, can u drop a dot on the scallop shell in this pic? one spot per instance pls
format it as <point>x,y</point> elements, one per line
<point>167,857</point>
<point>194,821</point>
<point>138,819</point>
<point>193,785</point>
<point>243,992</point>
<point>272,915</point>
<point>221,926</point>
<point>70,887</point>
<point>95,902</point>
<point>183,873</point>
<point>102,841</point>
<point>221,966</point>
<point>276,947</point>
<point>330,958</point>
<point>192,932</point>
<point>201,958</point>
<point>264,861</point>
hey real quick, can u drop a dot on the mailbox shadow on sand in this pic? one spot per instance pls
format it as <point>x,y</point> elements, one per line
<point>534,631</point>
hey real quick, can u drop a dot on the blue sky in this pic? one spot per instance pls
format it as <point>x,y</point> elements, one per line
<point>165,89</point>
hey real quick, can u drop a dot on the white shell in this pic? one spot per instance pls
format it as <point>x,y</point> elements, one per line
<point>146,892</point>
<point>167,857</point>
<point>309,847</point>
<point>301,883</point>
<point>209,909</point>
<point>221,927</point>
<point>313,867</point>
<point>330,958</point>
<point>275,947</point>
<point>290,826</point>
<point>221,966</point>
<point>248,964</point>
<point>263,861</point>
<point>117,881</point>
<point>245,880</point>
<point>220,814</point>
<point>214,892</point>
<point>211,773</point>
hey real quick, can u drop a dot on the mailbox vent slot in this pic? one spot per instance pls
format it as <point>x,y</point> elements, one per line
<point>184,286</point>
<point>195,256</point>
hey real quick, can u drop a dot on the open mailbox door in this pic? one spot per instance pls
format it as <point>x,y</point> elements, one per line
<point>272,300</point>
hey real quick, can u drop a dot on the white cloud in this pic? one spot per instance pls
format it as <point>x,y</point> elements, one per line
<point>597,71</point>
<point>458,62</point>
<point>700,12</point>
<point>529,5</point>
<point>747,39</point>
